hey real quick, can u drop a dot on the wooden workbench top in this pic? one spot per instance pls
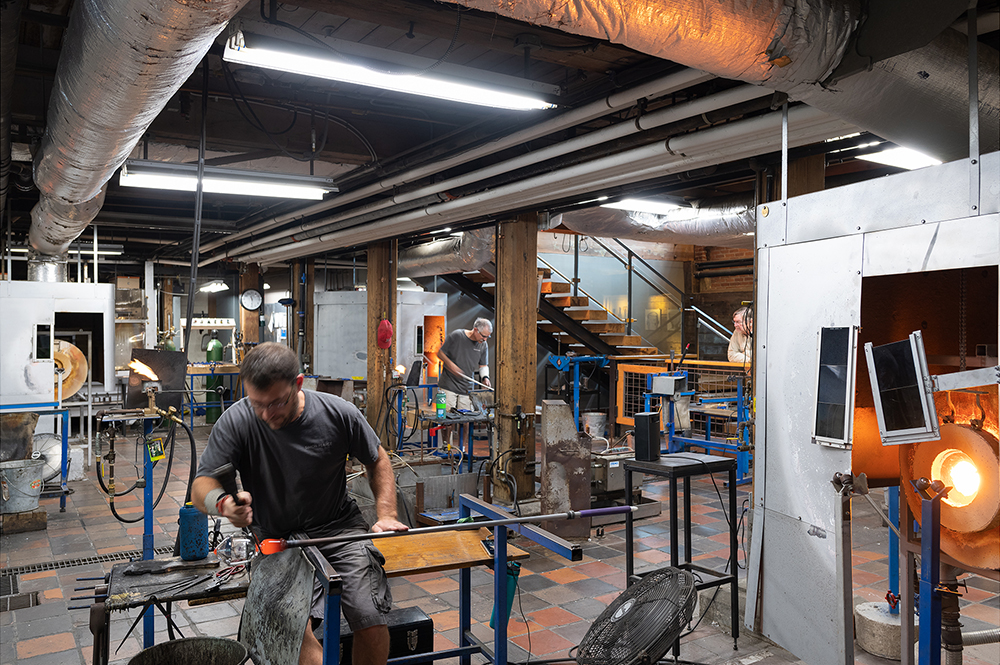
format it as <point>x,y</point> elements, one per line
<point>435,552</point>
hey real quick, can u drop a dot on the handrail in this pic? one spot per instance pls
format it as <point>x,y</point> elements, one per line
<point>592,298</point>
<point>712,324</point>
<point>610,251</point>
<point>703,318</point>
<point>655,271</point>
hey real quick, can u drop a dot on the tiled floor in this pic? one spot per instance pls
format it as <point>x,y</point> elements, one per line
<point>556,602</point>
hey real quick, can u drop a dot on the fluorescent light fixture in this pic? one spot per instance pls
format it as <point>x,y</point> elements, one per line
<point>262,51</point>
<point>184,178</point>
<point>903,158</point>
<point>643,205</point>
<point>214,287</point>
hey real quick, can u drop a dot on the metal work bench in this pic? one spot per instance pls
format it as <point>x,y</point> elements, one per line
<point>419,553</point>
<point>685,466</point>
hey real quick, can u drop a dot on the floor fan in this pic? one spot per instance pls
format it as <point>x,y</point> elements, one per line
<point>641,624</point>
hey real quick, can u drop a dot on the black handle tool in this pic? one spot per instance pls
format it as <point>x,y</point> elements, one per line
<point>226,475</point>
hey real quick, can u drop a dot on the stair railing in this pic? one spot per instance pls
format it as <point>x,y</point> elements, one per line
<point>593,299</point>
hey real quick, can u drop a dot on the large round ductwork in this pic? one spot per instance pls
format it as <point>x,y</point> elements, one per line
<point>913,92</point>
<point>724,223</point>
<point>121,62</point>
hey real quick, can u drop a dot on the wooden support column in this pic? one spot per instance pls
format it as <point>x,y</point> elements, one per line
<point>805,175</point>
<point>303,305</point>
<point>381,305</point>
<point>250,321</point>
<point>515,333</point>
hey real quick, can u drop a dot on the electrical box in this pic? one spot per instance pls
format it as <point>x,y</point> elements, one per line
<point>609,474</point>
<point>663,384</point>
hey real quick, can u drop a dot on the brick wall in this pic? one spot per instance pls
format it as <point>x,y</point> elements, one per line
<point>726,283</point>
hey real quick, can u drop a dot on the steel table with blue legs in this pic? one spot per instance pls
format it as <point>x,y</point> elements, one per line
<point>469,644</point>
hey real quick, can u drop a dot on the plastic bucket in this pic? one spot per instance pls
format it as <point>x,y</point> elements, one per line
<point>594,422</point>
<point>21,484</point>
<point>192,650</point>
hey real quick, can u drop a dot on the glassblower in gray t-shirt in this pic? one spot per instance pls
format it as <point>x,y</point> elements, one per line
<point>463,353</point>
<point>290,447</point>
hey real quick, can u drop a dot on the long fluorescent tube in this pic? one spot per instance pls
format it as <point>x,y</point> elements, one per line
<point>643,205</point>
<point>903,158</point>
<point>184,178</point>
<point>260,51</point>
<point>214,287</point>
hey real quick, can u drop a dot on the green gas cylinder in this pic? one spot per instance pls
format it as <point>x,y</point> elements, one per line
<point>213,383</point>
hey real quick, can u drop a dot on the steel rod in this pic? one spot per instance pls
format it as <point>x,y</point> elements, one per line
<point>273,545</point>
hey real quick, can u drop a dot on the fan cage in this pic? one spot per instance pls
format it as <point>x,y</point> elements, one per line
<point>642,623</point>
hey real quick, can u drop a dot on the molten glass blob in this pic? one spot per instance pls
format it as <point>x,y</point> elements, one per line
<point>957,470</point>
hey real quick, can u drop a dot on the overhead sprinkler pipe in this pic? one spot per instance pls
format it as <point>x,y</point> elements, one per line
<point>403,201</point>
<point>275,545</point>
<point>601,107</point>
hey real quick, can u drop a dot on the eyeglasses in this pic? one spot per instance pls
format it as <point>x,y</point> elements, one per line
<point>483,336</point>
<point>277,404</point>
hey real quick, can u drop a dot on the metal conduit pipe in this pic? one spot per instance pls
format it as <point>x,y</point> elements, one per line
<point>615,102</point>
<point>917,99</point>
<point>724,143</point>
<point>10,27</point>
<point>649,121</point>
<point>359,215</point>
<point>656,160</point>
<point>136,53</point>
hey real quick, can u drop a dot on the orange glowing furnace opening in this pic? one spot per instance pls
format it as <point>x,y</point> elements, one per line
<point>956,470</point>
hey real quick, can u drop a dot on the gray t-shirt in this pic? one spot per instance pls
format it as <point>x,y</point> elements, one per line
<point>465,353</point>
<point>296,474</point>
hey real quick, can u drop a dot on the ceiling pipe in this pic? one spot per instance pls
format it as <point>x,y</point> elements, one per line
<point>10,27</point>
<point>917,99</point>
<point>620,100</point>
<point>725,143</point>
<point>645,122</point>
<point>121,62</point>
<point>730,222</point>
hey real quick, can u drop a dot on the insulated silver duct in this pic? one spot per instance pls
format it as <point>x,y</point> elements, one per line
<point>471,251</point>
<point>121,62</point>
<point>918,99</point>
<point>10,24</point>
<point>46,267</point>
<point>728,222</point>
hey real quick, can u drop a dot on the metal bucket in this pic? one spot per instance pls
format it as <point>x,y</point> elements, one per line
<point>191,650</point>
<point>20,485</point>
<point>594,422</point>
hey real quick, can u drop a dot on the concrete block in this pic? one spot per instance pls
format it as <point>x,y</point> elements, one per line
<point>30,520</point>
<point>721,609</point>
<point>76,464</point>
<point>877,631</point>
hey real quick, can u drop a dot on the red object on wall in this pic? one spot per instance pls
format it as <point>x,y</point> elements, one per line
<point>384,338</point>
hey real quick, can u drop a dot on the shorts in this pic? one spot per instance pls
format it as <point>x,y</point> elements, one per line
<point>365,598</point>
<point>456,401</point>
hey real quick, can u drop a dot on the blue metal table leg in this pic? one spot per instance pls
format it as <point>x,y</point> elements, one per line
<point>894,546</point>
<point>930,569</point>
<point>331,630</point>
<point>65,461</point>
<point>500,593</point>
<point>464,598</point>
<point>469,449</point>
<point>147,533</point>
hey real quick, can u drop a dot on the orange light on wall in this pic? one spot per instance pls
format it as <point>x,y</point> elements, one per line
<point>433,339</point>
